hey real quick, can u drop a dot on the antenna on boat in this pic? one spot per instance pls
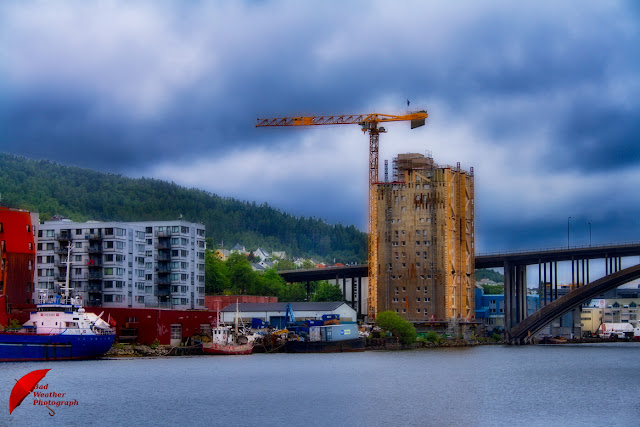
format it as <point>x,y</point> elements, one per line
<point>65,288</point>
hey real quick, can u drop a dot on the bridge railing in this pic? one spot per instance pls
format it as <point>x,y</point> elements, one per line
<point>560,248</point>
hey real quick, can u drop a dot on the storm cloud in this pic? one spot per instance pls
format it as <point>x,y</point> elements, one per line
<point>542,100</point>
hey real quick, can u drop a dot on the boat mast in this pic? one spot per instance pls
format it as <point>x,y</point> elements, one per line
<point>236,318</point>
<point>65,288</point>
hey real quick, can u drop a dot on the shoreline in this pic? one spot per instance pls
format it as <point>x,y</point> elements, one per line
<point>142,350</point>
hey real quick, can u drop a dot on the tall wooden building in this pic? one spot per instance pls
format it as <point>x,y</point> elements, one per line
<point>426,241</point>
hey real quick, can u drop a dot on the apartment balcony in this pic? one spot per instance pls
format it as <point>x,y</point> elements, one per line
<point>93,236</point>
<point>95,275</point>
<point>162,291</point>
<point>163,280</point>
<point>93,288</point>
<point>94,249</point>
<point>61,251</point>
<point>94,263</point>
<point>64,236</point>
<point>163,257</point>
<point>163,246</point>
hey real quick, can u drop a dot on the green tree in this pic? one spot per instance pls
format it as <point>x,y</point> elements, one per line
<point>325,291</point>
<point>493,289</point>
<point>241,275</point>
<point>271,283</point>
<point>307,264</point>
<point>293,292</point>
<point>492,275</point>
<point>216,274</point>
<point>399,327</point>
<point>285,264</point>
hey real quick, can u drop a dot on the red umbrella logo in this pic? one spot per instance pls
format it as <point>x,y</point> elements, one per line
<point>24,386</point>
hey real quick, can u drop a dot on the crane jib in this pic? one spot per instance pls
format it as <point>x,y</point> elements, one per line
<point>368,123</point>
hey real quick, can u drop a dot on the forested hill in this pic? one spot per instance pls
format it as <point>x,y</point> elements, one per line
<point>82,194</point>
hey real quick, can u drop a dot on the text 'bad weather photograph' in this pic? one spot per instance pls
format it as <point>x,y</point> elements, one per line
<point>270,212</point>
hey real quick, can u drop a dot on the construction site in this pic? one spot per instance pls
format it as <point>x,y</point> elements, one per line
<point>425,226</point>
<point>421,230</point>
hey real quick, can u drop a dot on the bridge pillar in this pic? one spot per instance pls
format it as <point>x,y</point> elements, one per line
<point>509,296</point>
<point>521,276</point>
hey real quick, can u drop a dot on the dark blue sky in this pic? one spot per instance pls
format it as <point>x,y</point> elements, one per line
<point>542,99</point>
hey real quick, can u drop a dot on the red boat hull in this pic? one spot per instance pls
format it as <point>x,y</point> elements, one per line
<point>213,348</point>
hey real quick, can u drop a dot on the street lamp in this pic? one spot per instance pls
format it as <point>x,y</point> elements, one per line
<point>568,233</point>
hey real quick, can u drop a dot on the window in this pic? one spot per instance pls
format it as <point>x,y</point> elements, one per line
<point>50,233</point>
<point>78,258</point>
<point>78,231</point>
<point>78,245</point>
<point>107,298</point>
<point>108,231</point>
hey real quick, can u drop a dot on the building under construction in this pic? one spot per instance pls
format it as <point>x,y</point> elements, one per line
<point>426,241</point>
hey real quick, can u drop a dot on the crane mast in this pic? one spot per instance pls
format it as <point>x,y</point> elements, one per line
<point>369,123</point>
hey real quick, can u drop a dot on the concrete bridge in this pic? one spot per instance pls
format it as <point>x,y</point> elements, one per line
<point>523,332</point>
<point>519,327</point>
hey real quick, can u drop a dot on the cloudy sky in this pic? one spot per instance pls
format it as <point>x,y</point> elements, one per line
<point>542,99</point>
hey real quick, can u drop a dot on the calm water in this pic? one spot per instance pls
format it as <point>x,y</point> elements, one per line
<point>490,385</point>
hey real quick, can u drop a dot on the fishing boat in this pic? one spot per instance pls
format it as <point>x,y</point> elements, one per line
<point>59,329</point>
<point>227,339</point>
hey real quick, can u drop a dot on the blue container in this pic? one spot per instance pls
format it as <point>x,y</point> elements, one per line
<point>326,317</point>
<point>314,322</point>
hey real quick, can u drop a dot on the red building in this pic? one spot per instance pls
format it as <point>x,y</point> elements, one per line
<point>17,255</point>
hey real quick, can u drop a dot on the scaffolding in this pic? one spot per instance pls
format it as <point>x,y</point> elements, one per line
<point>426,242</point>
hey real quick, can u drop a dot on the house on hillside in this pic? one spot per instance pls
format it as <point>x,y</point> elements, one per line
<point>257,267</point>
<point>238,249</point>
<point>222,254</point>
<point>279,254</point>
<point>262,265</point>
<point>262,254</point>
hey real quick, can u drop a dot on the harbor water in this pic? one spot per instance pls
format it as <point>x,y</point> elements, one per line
<point>563,385</point>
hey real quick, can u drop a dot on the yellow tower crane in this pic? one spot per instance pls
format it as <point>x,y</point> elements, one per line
<point>368,123</point>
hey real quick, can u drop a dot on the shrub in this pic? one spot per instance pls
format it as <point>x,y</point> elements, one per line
<point>432,336</point>
<point>397,326</point>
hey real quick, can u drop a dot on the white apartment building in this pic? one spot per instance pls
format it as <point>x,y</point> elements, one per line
<point>152,264</point>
